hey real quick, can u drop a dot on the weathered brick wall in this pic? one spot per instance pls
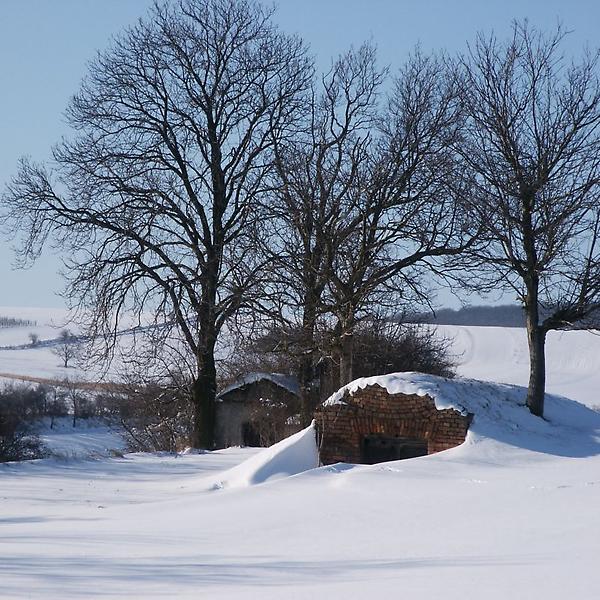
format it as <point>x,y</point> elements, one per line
<point>373,410</point>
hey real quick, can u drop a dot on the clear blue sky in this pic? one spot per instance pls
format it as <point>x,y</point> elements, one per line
<point>45,44</point>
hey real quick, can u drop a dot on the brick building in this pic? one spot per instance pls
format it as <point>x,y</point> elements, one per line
<point>370,425</point>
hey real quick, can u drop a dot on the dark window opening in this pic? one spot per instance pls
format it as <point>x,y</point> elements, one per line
<point>380,448</point>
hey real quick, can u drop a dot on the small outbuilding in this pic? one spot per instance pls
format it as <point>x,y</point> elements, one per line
<point>258,409</point>
<point>365,423</point>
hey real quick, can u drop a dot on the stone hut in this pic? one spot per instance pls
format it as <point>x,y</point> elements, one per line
<point>371,425</point>
<point>258,409</point>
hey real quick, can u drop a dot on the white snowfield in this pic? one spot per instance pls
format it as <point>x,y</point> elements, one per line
<point>512,513</point>
<point>18,357</point>
<point>500,354</point>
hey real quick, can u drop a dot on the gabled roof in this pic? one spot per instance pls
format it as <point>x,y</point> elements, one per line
<point>287,382</point>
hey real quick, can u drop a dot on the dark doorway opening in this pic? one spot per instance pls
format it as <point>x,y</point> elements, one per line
<point>250,436</point>
<point>380,448</point>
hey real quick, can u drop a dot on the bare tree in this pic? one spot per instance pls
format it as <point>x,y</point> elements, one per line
<point>406,218</point>
<point>532,141</point>
<point>67,347</point>
<point>371,199</point>
<point>155,195</point>
<point>315,172</point>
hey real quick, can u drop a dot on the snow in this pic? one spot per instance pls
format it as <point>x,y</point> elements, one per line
<point>512,512</point>
<point>295,454</point>
<point>287,382</point>
<point>484,520</point>
<point>500,354</point>
<point>90,438</point>
<point>20,360</point>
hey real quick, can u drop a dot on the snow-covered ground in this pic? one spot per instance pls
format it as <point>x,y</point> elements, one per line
<point>90,438</point>
<point>500,354</point>
<point>512,513</point>
<point>19,357</point>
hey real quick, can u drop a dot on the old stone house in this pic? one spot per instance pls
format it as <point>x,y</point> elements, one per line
<point>370,425</point>
<point>258,409</point>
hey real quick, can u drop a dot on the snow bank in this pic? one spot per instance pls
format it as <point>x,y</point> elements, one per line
<point>499,412</point>
<point>295,454</point>
<point>500,354</point>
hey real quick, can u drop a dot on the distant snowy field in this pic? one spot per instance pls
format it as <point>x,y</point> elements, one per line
<point>19,358</point>
<point>487,353</point>
<point>512,513</point>
<point>500,354</point>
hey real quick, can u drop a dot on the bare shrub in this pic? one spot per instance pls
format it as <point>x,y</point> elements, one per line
<point>19,407</point>
<point>272,420</point>
<point>153,417</point>
<point>385,347</point>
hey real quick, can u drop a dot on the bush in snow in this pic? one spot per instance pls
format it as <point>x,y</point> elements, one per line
<point>383,347</point>
<point>380,347</point>
<point>19,407</point>
<point>154,417</point>
<point>56,408</point>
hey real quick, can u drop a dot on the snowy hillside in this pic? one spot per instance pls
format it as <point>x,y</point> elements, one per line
<point>500,354</point>
<point>487,353</point>
<point>19,357</point>
<point>511,513</point>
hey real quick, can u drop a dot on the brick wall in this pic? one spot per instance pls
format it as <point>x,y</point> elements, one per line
<point>373,410</point>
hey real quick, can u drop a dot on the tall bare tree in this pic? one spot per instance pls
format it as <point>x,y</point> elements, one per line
<point>407,215</point>
<point>532,140</point>
<point>156,192</point>
<point>316,171</point>
<point>371,198</point>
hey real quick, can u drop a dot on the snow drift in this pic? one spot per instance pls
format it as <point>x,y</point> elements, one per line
<point>500,354</point>
<point>291,456</point>
<point>501,421</point>
<point>499,412</point>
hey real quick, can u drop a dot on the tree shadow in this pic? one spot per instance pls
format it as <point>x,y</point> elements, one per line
<point>89,577</point>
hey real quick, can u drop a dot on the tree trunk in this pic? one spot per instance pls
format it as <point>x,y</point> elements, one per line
<point>536,333</point>
<point>536,339</point>
<point>346,345</point>
<point>308,390</point>
<point>204,393</point>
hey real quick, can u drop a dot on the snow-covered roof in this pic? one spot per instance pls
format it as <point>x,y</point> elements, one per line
<point>440,389</point>
<point>287,382</point>
<point>499,409</point>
